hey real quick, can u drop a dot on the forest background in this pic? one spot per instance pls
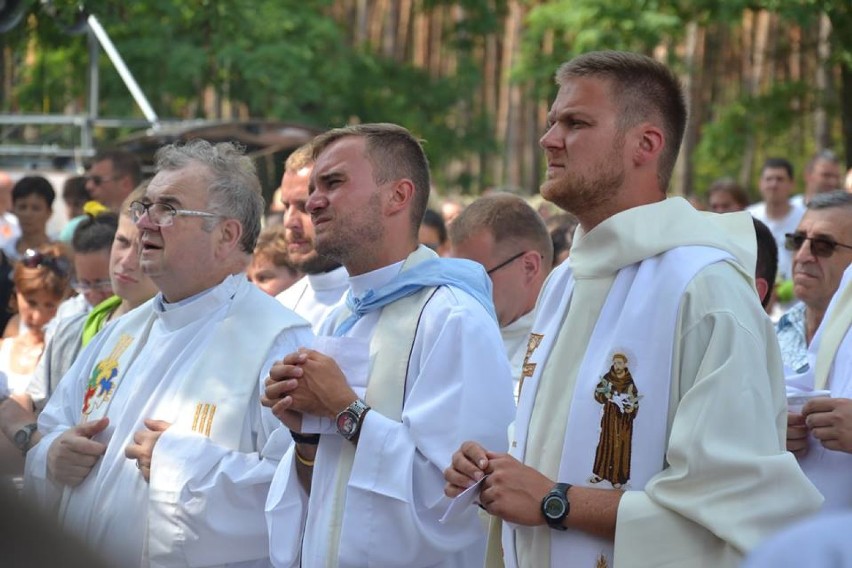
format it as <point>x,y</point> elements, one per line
<point>473,78</point>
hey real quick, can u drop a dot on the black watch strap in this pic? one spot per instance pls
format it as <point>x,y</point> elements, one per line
<point>310,439</point>
<point>555,506</point>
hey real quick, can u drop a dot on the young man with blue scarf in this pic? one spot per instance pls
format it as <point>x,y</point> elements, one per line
<point>369,487</point>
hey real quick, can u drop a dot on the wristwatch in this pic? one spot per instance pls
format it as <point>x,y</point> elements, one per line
<point>555,506</point>
<point>23,437</point>
<point>350,419</point>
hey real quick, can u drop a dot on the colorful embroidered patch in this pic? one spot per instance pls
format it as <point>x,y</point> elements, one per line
<point>104,377</point>
<point>619,399</point>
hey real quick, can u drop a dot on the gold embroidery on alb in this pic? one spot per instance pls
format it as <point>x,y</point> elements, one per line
<point>210,420</point>
<point>202,422</point>
<point>528,368</point>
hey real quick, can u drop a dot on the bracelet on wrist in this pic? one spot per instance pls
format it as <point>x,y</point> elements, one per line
<point>303,461</point>
<point>311,439</point>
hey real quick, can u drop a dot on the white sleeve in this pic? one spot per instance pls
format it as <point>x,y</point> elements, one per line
<point>207,502</point>
<point>713,500</point>
<point>460,388</point>
<point>63,411</point>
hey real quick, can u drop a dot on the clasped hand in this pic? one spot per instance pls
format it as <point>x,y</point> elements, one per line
<point>306,382</point>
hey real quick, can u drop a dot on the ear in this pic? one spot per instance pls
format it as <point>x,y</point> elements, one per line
<point>651,142</point>
<point>532,264</point>
<point>400,196</point>
<point>762,288</point>
<point>230,232</point>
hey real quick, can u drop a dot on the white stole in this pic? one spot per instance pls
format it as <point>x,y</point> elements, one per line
<point>390,351</point>
<point>622,327</point>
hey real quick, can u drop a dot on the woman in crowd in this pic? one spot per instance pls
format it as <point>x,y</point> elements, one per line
<point>32,204</point>
<point>270,268</point>
<point>42,280</point>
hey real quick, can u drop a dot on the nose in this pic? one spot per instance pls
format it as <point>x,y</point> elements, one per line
<point>292,220</point>
<point>314,202</point>
<point>129,259</point>
<point>550,138</point>
<point>804,254</point>
<point>144,223</point>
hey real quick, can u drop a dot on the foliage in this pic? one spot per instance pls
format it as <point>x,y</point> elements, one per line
<point>275,59</point>
<point>771,117</point>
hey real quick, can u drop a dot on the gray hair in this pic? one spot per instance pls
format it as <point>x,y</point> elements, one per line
<point>830,200</point>
<point>233,186</point>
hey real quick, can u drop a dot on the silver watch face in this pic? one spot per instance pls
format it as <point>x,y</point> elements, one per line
<point>346,424</point>
<point>554,507</point>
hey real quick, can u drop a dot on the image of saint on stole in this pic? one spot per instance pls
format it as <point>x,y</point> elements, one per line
<point>617,392</point>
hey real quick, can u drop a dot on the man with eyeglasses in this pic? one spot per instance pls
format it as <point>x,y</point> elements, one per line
<point>155,443</point>
<point>822,249</point>
<point>112,176</point>
<point>509,238</point>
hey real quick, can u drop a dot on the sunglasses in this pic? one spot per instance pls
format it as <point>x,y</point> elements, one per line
<point>822,247</point>
<point>33,259</point>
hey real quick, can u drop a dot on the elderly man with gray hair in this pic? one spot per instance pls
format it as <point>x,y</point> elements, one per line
<point>155,443</point>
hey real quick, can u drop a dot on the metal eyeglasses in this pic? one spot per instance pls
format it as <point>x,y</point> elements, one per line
<point>163,214</point>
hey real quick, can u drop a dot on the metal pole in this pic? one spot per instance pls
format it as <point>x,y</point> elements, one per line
<point>123,71</point>
<point>86,134</point>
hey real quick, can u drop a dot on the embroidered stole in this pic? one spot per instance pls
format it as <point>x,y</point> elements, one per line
<point>610,414</point>
<point>390,351</point>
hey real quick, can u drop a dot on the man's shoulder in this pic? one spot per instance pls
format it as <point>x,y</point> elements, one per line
<point>256,307</point>
<point>291,295</point>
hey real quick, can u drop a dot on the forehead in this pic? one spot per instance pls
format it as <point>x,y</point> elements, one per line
<point>102,166</point>
<point>775,172</point>
<point>294,185</point>
<point>180,186</point>
<point>827,166</point>
<point>345,154</point>
<point>835,221</point>
<point>583,94</point>
<point>32,200</point>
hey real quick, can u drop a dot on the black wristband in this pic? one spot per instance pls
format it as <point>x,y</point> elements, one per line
<point>310,439</point>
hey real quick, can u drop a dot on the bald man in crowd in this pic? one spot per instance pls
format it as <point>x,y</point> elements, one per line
<point>509,238</point>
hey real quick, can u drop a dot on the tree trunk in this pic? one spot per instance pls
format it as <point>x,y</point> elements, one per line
<point>822,129</point>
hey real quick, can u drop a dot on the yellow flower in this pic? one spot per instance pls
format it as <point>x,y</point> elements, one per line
<point>94,208</point>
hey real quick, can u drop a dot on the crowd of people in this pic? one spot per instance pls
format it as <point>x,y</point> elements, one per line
<point>368,381</point>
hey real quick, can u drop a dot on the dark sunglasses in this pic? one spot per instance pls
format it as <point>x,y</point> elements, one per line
<point>33,259</point>
<point>822,247</point>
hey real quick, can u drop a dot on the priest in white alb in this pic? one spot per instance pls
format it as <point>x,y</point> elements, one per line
<point>410,366</point>
<point>155,448</point>
<point>650,427</point>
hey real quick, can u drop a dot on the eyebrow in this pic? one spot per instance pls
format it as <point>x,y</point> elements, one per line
<point>168,200</point>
